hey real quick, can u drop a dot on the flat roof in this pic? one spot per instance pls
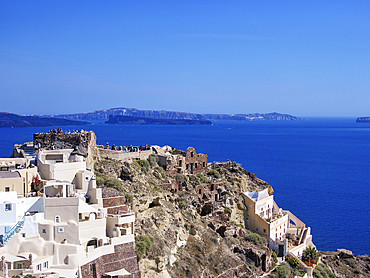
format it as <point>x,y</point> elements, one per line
<point>258,195</point>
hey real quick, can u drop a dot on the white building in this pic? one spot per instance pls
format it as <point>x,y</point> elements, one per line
<point>286,234</point>
<point>66,232</point>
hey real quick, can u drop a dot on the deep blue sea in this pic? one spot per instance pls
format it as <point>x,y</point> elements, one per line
<point>318,167</point>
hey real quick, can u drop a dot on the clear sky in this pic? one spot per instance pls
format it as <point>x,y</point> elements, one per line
<point>305,58</point>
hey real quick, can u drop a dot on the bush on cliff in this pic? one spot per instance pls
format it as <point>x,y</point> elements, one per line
<point>180,178</point>
<point>322,271</point>
<point>182,204</point>
<point>202,178</point>
<point>100,180</point>
<point>144,164</point>
<point>129,198</point>
<point>114,183</point>
<point>143,244</point>
<point>214,173</point>
<point>282,271</point>
<point>256,239</point>
<point>195,179</point>
<point>293,262</point>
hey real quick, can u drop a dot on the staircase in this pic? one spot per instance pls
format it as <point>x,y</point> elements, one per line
<point>13,231</point>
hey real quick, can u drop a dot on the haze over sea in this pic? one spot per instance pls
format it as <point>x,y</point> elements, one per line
<point>318,167</point>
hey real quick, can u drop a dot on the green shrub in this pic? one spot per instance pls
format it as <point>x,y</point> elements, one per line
<point>179,178</point>
<point>227,211</point>
<point>144,164</point>
<point>322,271</point>
<point>214,173</point>
<point>282,271</point>
<point>195,179</point>
<point>143,244</point>
<point>202,178</point>
<point>256,239</point>
<point>293,262</point>
<point>100,180</point>
<point>274,255</point>
<point>129,198</point>
<point>182,204</point>
<point>161,171</point>
<point>114,183</point>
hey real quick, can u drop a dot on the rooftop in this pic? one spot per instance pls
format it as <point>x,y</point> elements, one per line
<point>257,195</point>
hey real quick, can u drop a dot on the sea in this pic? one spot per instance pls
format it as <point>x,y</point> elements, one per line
<point>319,168</point>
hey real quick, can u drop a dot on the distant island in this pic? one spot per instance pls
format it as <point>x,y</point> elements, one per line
<point>119,119</point>
<point>104,115</point>
<point>363,120</point>
<point>15,120</point>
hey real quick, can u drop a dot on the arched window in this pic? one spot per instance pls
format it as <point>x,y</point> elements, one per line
<point>57,219</point>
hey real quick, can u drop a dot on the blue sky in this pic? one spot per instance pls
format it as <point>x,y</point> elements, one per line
<point>305,58</point>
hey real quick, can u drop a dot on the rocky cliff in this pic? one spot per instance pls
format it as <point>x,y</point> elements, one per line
<point>192,234</point>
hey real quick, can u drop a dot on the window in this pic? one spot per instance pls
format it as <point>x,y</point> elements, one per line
<point>60,229</point>
<point>39,267</point>
<point>57,219</point>
<point>191,154</point>
<point>7,229</point>
<point>19,266</point>
<point>6,189</point>
<point>43,231</point>
<point>196,165</point>
<point>204,164</point>
<point>8,207</point>
<point>180,163</point>
<point>45,264</point>
<point>23,235</point>
<point>264,230</point>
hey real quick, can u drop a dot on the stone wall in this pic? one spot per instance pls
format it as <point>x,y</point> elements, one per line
<point>124,256</point>
<point>122,156</point>
<point>189,162</point>
<point>114,201</point>
<point>117,210</point>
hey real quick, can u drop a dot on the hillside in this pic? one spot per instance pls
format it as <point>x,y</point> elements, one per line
<point>104,115</point>
<point>184,234</point>
<point>14,120</point>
